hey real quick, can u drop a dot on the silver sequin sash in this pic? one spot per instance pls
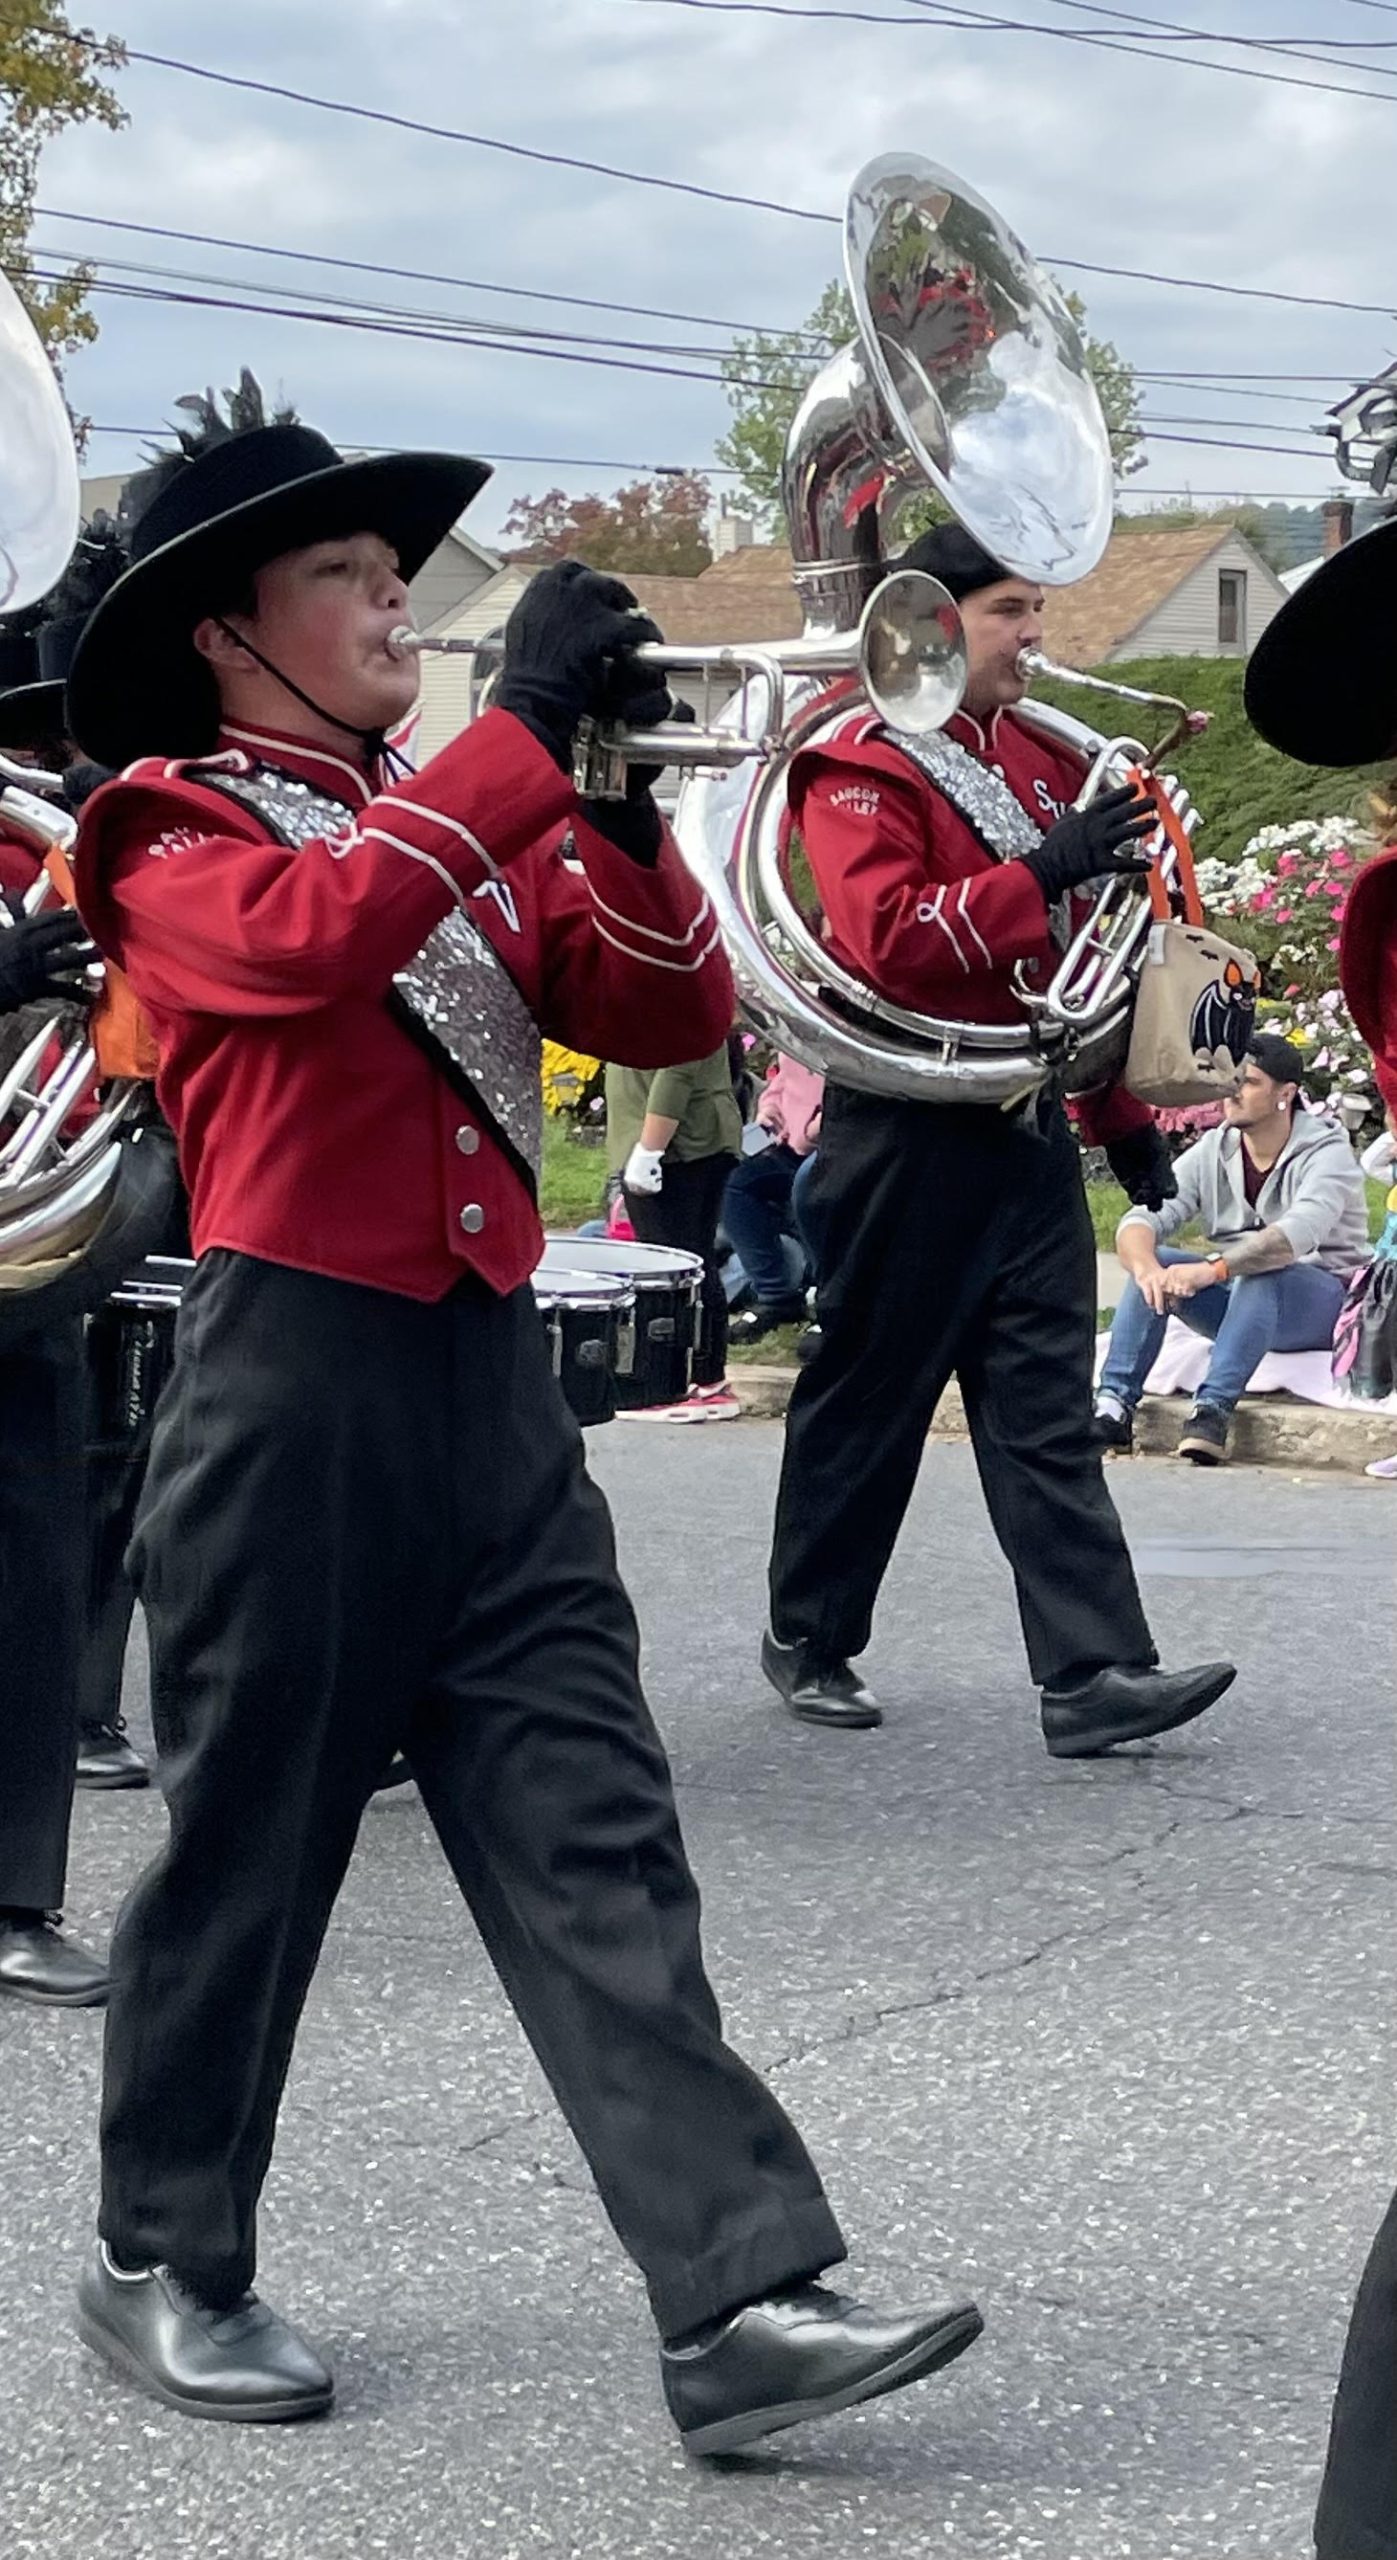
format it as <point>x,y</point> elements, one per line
<point>982,796</point>
<point>456,997</point>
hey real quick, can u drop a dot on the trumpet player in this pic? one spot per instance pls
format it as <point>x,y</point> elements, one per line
<point>957,1238</point>
<point>367,1524</point>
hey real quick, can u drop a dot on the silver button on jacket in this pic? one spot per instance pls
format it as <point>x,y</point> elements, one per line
<point>467,1139</point>
<point>472,1218</point>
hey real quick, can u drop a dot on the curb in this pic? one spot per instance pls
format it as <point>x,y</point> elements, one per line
<point>1270,1431</point>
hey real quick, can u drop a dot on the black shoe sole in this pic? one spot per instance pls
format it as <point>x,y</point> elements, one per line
<point>1091,1744</point>
<point>107,1785</point>
<point>729,2435</point>
<point>850,1719</point>
<point>114,2351</point>
<point>96,1998</point>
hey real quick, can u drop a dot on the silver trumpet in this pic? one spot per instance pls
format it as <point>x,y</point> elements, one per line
<point>907,650</point>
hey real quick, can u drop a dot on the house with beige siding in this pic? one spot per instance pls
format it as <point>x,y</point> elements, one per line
<point>1192,591</point>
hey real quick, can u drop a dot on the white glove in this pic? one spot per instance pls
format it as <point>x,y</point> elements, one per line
<point>645,1168</point>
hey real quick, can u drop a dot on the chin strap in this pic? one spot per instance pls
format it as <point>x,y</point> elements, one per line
<point>373,741</point>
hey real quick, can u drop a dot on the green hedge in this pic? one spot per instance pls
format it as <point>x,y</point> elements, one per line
<point>1239,783</point>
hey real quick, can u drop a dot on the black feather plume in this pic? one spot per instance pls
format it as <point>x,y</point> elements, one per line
<point>246,411</point>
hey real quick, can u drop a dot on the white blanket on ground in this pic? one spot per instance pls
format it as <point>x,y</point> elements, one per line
<point>1183,1359</point>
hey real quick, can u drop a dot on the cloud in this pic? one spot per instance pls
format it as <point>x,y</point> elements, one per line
<point>1088,155</point>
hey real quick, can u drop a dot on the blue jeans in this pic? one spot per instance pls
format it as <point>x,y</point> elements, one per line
<point>1290,1310</point>
<point>760,1208</point>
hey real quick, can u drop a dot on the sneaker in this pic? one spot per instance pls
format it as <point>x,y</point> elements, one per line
<point>810,1342</point>
<point>755,1323</point>
<point>1385,1469</point>
<point>1205,1435</point>
<point>701,1404</point>
<point>1113,1426</point>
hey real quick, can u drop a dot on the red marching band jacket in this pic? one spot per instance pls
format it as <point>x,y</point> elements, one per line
<point>914,902</point>
<point>313,1131</point>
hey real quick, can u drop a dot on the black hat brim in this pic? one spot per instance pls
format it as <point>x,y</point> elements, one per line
<point>138,686</point>
<point>31,715</point>
<point>1322,680</point>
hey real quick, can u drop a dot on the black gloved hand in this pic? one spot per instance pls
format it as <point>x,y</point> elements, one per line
<point>1101,839</point>
<point>560,644</point>
<point>634,825</point>
<point>1143,1167</point>
<point>43,955</point>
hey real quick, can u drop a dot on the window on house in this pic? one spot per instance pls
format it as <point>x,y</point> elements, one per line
<point>1232,608</point>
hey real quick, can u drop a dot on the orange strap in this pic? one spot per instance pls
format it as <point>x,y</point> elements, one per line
<point>121,1035</point>
<point>1185,880</point>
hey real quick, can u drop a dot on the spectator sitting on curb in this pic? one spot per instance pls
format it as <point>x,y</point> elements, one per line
<point>1280,1198</point>
<point>761,1202</point>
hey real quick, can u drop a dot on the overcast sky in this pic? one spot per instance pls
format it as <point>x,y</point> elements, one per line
<point>1089,155</point>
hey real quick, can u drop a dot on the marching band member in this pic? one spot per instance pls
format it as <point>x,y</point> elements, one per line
<point>1322,686</point>
<point>117,1421</point>
<point>41,1500</point>
<point>956,1238</point>
<point>367,1522</point>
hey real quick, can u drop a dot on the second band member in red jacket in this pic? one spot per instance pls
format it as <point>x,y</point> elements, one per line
<point>956,1238</point>
<point>367,1524</point>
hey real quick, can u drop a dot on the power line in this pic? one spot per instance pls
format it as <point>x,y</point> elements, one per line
<point>423,275</point>
<point>720,195</point>
<point>971,21</point>
<point>1291,48</point>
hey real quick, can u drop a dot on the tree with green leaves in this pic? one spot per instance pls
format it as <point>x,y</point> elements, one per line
<point>50,79</point>
<point>766,373</point>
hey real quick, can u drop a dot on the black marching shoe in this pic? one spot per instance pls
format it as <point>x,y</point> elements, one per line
<point>1205,1435</point>
<point>1125,1705</point>
<point>802,2354</point>
<point>242,2364</point>
<point>820,1692</point>
<point>107,1759</point>
<point>38,1963</point>
<point>753,1324</point>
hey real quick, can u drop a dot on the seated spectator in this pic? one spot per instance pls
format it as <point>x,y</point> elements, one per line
<point>1280,1199</point>
<point>672,1137</point>
<point>761,1202</point>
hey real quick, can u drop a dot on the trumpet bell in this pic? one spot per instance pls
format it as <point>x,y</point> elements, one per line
<point>911,652</point>
<point>981,367</point>
<point>38,464</point>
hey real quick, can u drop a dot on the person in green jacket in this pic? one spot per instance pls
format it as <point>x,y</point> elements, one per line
<point>673,1137</point>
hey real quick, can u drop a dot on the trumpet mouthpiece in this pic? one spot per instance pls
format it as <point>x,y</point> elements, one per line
<point>404,642</point>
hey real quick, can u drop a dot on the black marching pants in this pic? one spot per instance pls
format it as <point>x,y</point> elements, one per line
<point>1357,2517</point>
<point>129,1356</point>
<point>957,1240</point>
<point>684,1213</point>
<point>41,1607</point>
<point>367,1524</point>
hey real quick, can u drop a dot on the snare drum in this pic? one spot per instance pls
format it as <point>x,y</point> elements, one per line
<point>667,1285</point>
<point>589,1322</point>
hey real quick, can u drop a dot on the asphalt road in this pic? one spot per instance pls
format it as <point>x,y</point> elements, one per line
<point>1111,2044</point>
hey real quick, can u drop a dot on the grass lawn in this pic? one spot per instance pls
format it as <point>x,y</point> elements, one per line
<point>574,1177</point>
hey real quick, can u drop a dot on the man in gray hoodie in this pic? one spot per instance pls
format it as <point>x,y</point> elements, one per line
<point>1280,1199</point>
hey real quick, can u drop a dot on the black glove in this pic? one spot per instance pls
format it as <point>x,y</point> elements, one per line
<point>1143,1167</point>
<point>639,699</point>
<point>43,955</point>
<point>1102,838</point>
<point>561,643</point>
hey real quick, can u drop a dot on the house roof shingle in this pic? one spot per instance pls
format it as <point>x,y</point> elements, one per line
<point>1082,624</point>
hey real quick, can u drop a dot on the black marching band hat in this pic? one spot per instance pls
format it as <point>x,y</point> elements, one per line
<point>1322,680</point>
<point>200,523</point>
<point>35,663</point>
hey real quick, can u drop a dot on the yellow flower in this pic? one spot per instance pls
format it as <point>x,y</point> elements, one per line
<point>566,1076</point>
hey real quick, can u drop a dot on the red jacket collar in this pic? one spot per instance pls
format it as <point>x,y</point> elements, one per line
<point>980,736</point>
<point>337,775</point>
